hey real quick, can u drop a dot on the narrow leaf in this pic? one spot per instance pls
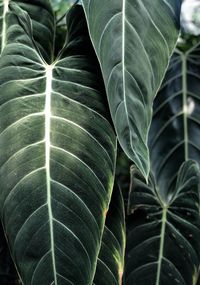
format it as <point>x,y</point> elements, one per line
<point>57,166</point>
<point>110,263</point>
<point>174,134</point>
<point>134,41</point>
<point>165,248</point>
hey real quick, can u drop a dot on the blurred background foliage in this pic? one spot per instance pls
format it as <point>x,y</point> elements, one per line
<point>190,24</point>
<point>61,6</point>
<point>190,17</point>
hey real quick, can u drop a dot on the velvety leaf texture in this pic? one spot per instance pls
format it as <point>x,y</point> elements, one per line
<point>164,249</point>
<point>134,41</point>
<point>8,274</point>
<point>175,131</point>
<point>58,159</point>
<point>110,263</point>
<point>42,17</point>
<point>43,22</point>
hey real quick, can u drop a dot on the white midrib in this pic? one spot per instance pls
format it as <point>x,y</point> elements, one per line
<point>48,91</point>
<point>123,62</point>
<point>162,243</point>
<point>185,108</point>
<point>123,54</point>
<point>123,47</point>
<point>124,82</point>
<point>3,37</point>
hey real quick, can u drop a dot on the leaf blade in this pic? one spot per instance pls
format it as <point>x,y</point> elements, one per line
<point>112,28</point>
<point>174,128</point>
<point>62,140</point>
<point>110,265</point>
<point>167,232</point>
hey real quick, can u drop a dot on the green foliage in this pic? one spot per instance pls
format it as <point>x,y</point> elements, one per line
<point>134,73</point>
<point>65,93</point>
<point>59,132</point>
<point>60,7</point>
<point>110,263</point>
<point>8,274</point>
<point>171,230</point>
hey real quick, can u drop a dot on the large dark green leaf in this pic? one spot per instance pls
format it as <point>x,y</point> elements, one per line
<point>6,264</point>
<point>134,41</point>
<point>8,273</point>
<point>175,131</point>
<point>164,248</point>
<point>58,154</point>
<point>43,22</point>
<point>41,14</point>
<point>110,264</point>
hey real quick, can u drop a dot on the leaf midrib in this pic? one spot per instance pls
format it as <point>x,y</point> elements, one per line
<point>48,91</point>
<point>184,56</point>
<point>162,243</point>
<point>124,86</point>
<point>185,115</point>
<point>123,57</point>
<point>3,37</point>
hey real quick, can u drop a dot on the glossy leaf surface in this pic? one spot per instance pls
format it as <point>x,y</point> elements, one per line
<point>164,249</point>
<point>134,41</point>
<point>59,153</point>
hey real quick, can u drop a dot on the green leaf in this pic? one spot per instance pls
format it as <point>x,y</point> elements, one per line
<point>164,249</point>
<point>3,12</point>
<point>174,134</point>
<point>59,4</point>
<point>58,158</point>
<point>42,17</point>
<point>61,7</point>
<point>110,263</point>
<point>8,274</point>
<point>6,264</point>
<point>134,41</point>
